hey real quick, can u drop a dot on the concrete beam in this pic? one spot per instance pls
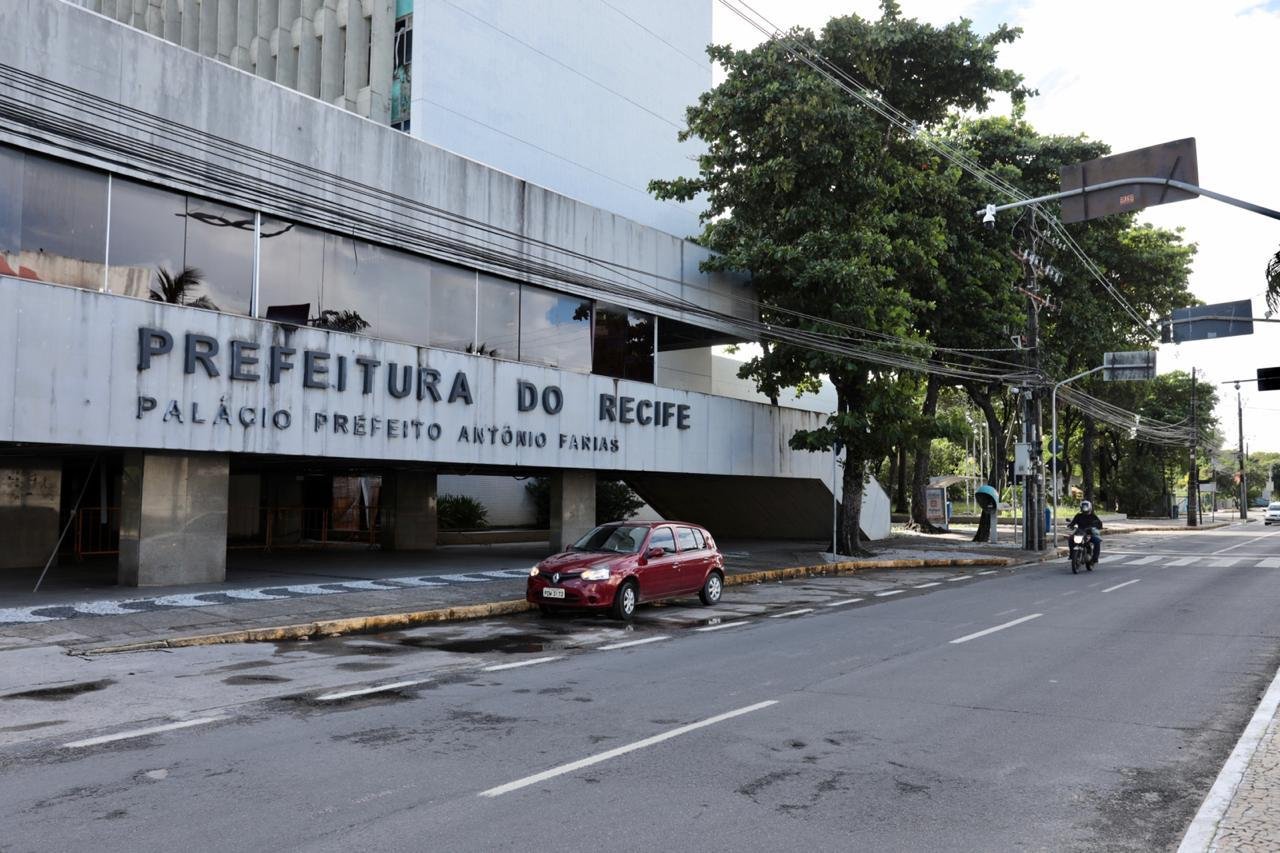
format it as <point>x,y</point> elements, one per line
<point>173,519</point>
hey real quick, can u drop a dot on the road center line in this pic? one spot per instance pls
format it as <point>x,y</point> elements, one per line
<point>723,625</point>
<point>167,727</point>
<point>927,585</point>
<point>967,637</point>
<point>622,750</point>
<point>961,578</point>
<point>501,666</point>
<point>988,572</point>
<point>842,602</point>
<point>629,643</point>
<point>1119,585</point>
<point>791,613</point>
<point>889,592</point>
<point>1242,544</point>
<point>365,691</point>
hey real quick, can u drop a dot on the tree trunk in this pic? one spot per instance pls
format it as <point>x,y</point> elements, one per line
<point>920,473</point>
<point>900,488</point>
<point>851,507</point>
<point>1086,457</point>
<point>890,484</point>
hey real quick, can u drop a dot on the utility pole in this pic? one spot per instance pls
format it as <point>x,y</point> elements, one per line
<point>1244,492</point>
<point>1193,472</point>
<point>1032,492</point>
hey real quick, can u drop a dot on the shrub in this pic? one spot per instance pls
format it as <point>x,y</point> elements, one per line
<point>460,512</point>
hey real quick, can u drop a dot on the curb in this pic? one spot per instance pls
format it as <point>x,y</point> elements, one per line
<point>392,621</point>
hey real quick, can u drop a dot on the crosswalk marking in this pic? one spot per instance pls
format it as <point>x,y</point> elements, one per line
<point>1270,563</point>
<point>1224,562</point>
<point>1142,561</point>
<point>1184,561</point>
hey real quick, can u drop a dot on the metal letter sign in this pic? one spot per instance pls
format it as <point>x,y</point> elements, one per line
<point>1202,322</point>
<point>1269,378</point>
<point>1175,161</point>
<point>1129,366</point>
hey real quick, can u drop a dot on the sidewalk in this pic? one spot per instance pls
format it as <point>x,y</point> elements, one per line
<point>1241,814</point>
<point>301,594</point>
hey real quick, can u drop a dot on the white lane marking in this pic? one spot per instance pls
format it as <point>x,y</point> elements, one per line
<point>1182,561</point>
<point>1223,562</point>
<point>1120,585</point>
<point>1270,563</point>
<point>365,691</point>
<point>417,582</point>
<point>961,578</point>
<point>842,602</point>
<point>927,585</point>
<point>501,666</point>
<point>629,643</point>
<point>988,572</point>
<point>723,625</point>
<point>791,613</point>
<point>506,573</point>
<point>1072,592</point>
<point>889,592</point>
<point>1142,561</point>
<point>1242,544</point>
<point>1004,612</point>
<point>967,637</point>
<point>1203,828</point>
<point>621,750</point>
<point>167,727</point>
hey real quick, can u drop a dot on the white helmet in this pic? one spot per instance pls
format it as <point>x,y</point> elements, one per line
<point>1086,506</point>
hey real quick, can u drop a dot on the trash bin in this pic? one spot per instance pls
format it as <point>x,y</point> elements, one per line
<point>1048,521</point>
<point>948,512</point>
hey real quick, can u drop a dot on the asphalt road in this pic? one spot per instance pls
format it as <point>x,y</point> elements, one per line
<point>1018,710</point>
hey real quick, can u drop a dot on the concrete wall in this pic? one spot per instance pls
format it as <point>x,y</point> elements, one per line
<point>505,498</point>
<point>580,96</point>
<point>299,158</point>
<point>30,497</point>
<point>173,519</point>
<point>335,50</point>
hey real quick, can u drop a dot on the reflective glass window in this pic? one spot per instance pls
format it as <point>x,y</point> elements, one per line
<point>452,307</point>
<point>219,256</point>
<point>345,305</point>
<point>499,323</point>
<point>399,282</point>
<point>64,223</point>
<point>697,536</point>
<point>290,272</point>
<point>685,536</point>
<point>148,232</point>
<point>623,343</point>
<point>555,329</point>
<point>663,539</point>
<point>10,210</point>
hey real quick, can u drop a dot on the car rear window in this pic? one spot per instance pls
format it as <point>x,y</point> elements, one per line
<point>687,541</point>
<point>1274,506</point>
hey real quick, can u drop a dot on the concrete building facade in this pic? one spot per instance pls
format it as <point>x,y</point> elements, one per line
<point>232,314</point>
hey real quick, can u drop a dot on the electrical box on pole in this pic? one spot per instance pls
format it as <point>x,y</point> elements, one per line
<point>1170,161</point>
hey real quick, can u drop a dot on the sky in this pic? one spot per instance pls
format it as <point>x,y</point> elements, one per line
<point>1134,73</point>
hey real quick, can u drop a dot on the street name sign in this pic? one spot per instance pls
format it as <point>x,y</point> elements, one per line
<point>1129,366</point>
<point>1175,161</point>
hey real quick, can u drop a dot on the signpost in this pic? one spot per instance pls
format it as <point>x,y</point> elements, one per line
<point>1170,161</point>
<point>1204,322</point>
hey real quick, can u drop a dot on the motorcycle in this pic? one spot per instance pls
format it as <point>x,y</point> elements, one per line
<point>1082,549</point>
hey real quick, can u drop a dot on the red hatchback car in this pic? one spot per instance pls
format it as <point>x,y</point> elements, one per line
<point>620,565</point>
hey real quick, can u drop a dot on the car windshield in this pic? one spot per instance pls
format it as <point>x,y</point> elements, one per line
<point>1274,506</point>
<point>619,538</point>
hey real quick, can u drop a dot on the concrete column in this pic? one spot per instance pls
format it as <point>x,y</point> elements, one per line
<point>409,511</point>
<point>573,507</point>
<point>173,518</point>
<point>30,497</point>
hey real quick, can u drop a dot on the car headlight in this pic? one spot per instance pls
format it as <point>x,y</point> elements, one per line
<point>533,573</point>
<point>595,575</point>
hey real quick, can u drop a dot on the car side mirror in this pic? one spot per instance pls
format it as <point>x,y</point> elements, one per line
<point>654,553</point>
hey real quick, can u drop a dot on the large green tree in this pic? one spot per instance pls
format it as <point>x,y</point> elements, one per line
<point>833,209</point>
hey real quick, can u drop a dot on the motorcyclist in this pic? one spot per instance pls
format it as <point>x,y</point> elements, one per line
<point>1087,519</point>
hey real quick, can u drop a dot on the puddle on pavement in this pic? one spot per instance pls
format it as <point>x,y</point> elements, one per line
<point>236,667</point>
<point>30,726</point>
<point>362,666</point>
<point>511,644</point>
<point>62,692</point>
<point>255,679</point>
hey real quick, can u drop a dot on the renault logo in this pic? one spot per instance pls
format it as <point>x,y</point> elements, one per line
<point>555,578</point>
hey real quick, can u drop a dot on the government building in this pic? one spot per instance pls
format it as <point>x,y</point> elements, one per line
<point>272,270</point>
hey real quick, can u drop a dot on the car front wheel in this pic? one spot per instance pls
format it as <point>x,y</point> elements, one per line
<point>712,589</point>
<point>625,601</point>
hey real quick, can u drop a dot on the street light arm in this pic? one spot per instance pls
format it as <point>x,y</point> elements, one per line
<point>991,210</point>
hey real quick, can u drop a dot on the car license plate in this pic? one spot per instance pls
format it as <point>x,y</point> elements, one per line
<point>552,592</point>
